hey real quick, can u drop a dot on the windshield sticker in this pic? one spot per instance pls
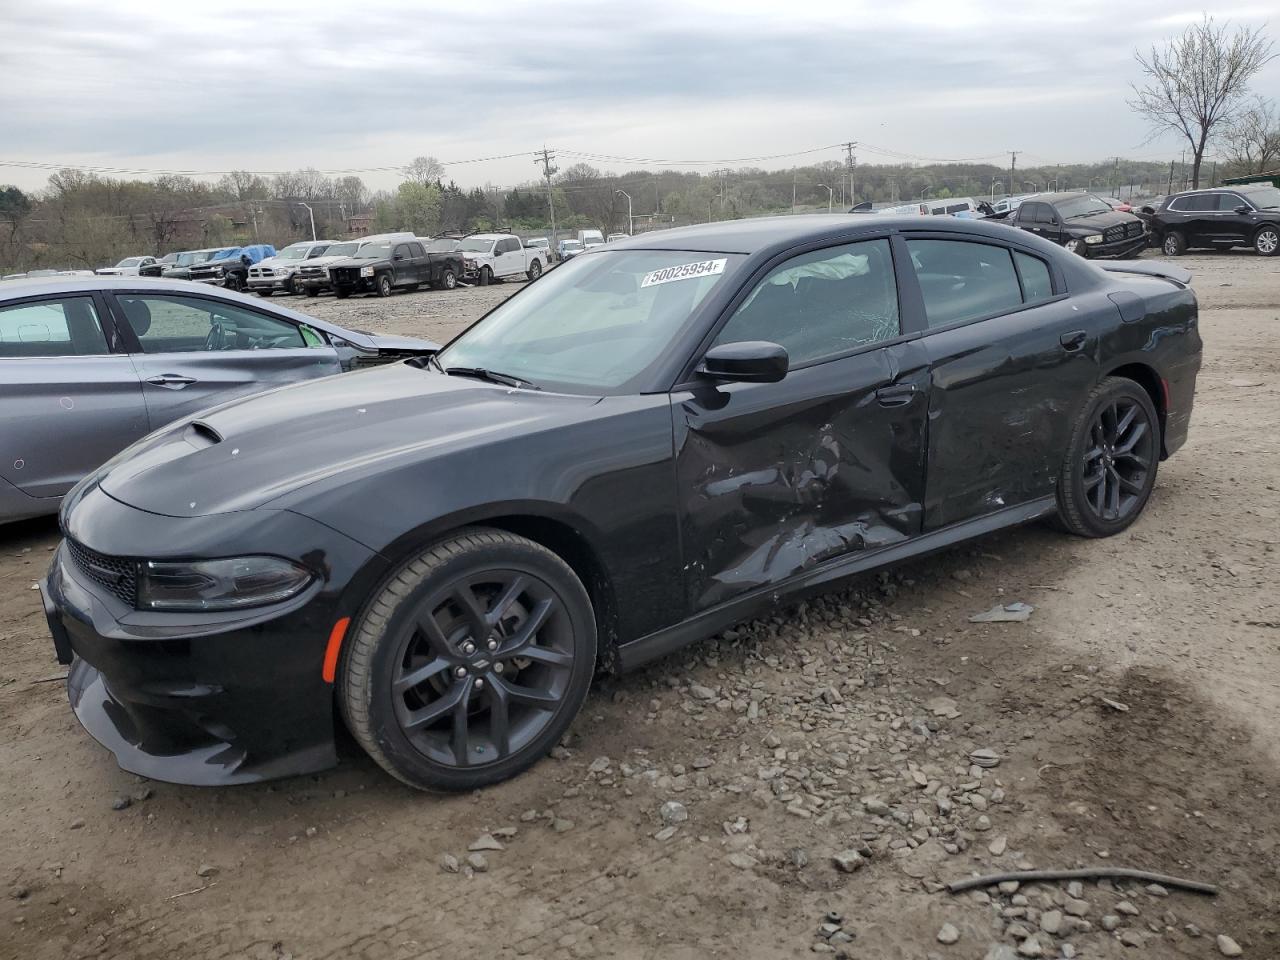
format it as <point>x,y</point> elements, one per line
<point>684,271</point>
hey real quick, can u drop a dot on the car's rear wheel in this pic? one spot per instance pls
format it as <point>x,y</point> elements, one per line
<point>1174,244</point>
<point>1111,462</point>
<point>470,663</point>
<point>384,286</point>
<point>1267,242</point>
<point>535,270</point>
<point>1077,246</point>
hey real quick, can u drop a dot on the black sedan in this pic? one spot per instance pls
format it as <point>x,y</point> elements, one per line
<point>654,441</point>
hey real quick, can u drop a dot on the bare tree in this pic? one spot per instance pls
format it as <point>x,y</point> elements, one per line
<point>424,170</point>
<point>1196,83</point>
<point>1253,138</point>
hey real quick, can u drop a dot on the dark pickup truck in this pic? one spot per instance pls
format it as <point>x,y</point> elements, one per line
<point>1082,223</point>
<point>383,267</point>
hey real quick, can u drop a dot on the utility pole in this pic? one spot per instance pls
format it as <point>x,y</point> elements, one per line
<point>630,219</point>
<point>850,164</point>
<point>1013,163</point>
<point>1116,175</point>
<point>312,214</point>
<point>547,170</point>
<point>794,175</point>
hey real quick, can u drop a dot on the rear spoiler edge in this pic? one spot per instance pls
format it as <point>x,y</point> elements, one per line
<point>1149,268</point>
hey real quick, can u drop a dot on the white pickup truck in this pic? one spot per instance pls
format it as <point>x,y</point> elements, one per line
<point>498,256</point>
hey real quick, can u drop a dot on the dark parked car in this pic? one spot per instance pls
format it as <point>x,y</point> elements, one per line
<point>384,267</point>
<point>87,366</point>
<point>230,268</point>
<point>1225,217</point>
<point>1082,223</point>
<point>177,266</point>
<point>650,443</point>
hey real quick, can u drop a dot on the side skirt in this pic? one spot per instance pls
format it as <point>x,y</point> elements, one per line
<point>638,652</point>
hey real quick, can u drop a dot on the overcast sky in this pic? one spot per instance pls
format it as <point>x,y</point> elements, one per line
<point>338,85</point>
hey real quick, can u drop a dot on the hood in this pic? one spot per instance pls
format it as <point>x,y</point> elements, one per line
<point>274,262</point>
<point>1100,221</point>
<point>249,452</point>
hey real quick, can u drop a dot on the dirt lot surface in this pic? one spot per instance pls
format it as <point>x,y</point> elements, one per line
<point>1133,717</point>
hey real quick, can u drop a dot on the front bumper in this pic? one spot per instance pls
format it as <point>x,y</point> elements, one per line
<point>203,699</point>
<point>270,283</point>
<point>1117,249</point>
<point>314,283</point>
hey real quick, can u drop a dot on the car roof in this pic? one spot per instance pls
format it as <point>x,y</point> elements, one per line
<point>764,233</point>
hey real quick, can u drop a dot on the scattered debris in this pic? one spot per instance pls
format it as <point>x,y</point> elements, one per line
<point>985,757</point>
<point>1017,612</point>
<point>187,893</point>
<point>1114,704</point>
<point>485,842</point>
<point>948,934</point>
<point>1228,947</point>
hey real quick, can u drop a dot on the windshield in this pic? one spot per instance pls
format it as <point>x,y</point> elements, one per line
<point>538,243</point>
<point>570,245</point>
<point>476,245</point>
<point>445,245</point>
<point>195,256</point>
<point>1264,198</point>
<point>295,251</point>
<point>1081,207</point>
<point>168,258</point>
<point>129,262</point>
<point>594,325</point>
<point>342,250</point>
<point>375,251</point>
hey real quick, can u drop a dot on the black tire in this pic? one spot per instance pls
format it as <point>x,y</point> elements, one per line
<point>486,276</point>
<point>1266,242</point>
<point>448,280</point>
<point>1110,467</point>
<point>1174,244</point>
<point>389,647</point>
<point>384,285</point>
<point>1077,246</point>
<point>292,287</point>
<point>535,270</point>
<point>265,292</point>
<point>313,291</point>
<point>342,292</point>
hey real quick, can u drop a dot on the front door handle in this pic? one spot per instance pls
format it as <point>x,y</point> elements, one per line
<point>1073,341</point>
<point>896,394</point>
<point>173,381</point>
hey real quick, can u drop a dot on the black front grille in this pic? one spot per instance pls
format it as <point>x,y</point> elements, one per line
<point>1112,234</point>
<point>200,273</point>
<point>1133,229</point>
<point>117,574</point>
<point>345,274</point>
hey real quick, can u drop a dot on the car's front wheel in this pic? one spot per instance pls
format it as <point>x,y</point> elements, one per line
<point>384,286</point>
<point>448,279</point>
<point>470,663</point>
<point>1111,462</point>
<point>1077,246</point>
<point>1266,242</point>
<point>486,276</point>
<point>1174,244</point>
<point>535,270</point>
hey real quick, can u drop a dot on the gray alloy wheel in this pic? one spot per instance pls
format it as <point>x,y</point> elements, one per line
<point>1110,467</point>
<point>448,279</point>
<point>384,285</point>
<point>1075,245</point>
<point>535,270</point>
<point>1267,242</point>
<point>470,663</point>
<point>1174,245</point>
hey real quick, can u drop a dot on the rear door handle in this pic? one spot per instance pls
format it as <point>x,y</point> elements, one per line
<point>896,394</point>
<point>173,381</point>
<point>1074,340</point>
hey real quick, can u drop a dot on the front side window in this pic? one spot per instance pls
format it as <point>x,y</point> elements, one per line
<point>66,327</point>
<point>961,280</point>
<point>1227,202</point>
<point>596,324</point>
<point>175,324</point>
<point>822,304</point>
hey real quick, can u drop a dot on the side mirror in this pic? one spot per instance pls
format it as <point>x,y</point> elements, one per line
<point>750,361</point>
<point>1243,209</point>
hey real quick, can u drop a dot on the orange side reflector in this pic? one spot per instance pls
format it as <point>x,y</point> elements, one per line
<point>334,648</point>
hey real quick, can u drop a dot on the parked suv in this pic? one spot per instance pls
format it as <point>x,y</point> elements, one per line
<point>279,273</point>
<point>1224,217</point>
<point>1082,223</point>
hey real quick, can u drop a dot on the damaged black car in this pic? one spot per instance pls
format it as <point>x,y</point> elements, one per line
<point>656,440</point>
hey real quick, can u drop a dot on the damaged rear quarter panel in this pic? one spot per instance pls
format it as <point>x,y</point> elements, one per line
<point>775,478</point>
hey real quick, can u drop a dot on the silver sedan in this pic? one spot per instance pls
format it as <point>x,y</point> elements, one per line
<point>89,365</point>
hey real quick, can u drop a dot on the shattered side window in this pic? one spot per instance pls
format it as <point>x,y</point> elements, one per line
<point>822,304</point>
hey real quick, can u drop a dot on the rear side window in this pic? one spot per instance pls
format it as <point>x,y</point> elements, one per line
<point>66,327</point>
<point>964,281</point>
<point>1034,273</point>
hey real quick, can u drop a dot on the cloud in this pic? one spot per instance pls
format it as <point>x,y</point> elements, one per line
<point>336,85</point>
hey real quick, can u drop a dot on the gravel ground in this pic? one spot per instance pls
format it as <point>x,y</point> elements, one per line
<point>799,784</point>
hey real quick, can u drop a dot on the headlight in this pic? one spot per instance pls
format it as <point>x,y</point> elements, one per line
<point>281,271</point>
<point>366,271</point>
<point>1093,238</point>
<point>219,584</point>
<point>468,264</point>
<point>221,270</point>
